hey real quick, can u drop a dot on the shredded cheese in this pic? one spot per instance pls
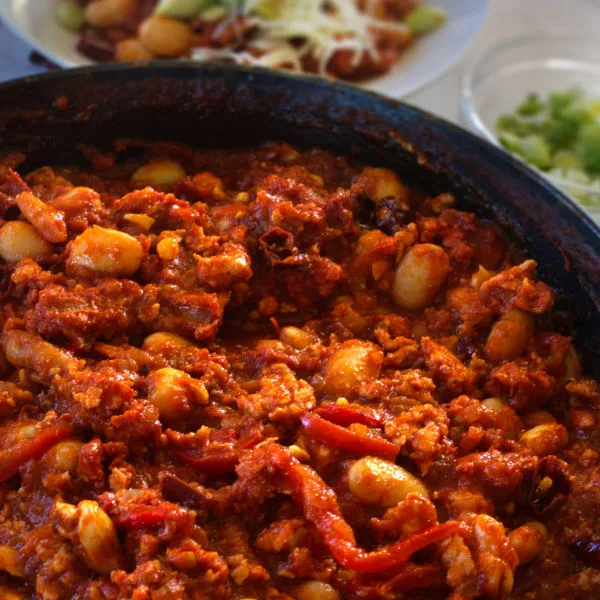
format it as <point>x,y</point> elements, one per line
<point>322,26</point>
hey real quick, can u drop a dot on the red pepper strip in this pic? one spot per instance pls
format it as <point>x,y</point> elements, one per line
<point>345,415</point>
<point>31,448</point>
<point>275,325</point>
<point>339,437</point>
<point>251,438</point>
<point>320,507</point>
<point>216,464</point>
<point>142,517</point>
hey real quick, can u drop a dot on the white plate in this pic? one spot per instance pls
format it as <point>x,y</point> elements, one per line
<point>429,58</point>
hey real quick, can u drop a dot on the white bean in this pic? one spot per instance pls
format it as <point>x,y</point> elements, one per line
<point>420,275</point>
<point>378,481</point>
<point>297,338</point>
<point>159,173</point>
<point>156,342</point>
<point>64,456</point>
<point>495,404</point>
<point>130,50</point>
<point>382,183</point>
<point>98,537</point>
<point>175,393</point>
<point>529,541</point>
<point>26,350</point>
<point>509,336</point>
<point>104,252</point>
<point>548,438</point>
<point>315,590</point>
<point>353,363</point>
<point>19,240</point>
<point>165,37</point>
<point>109,13</point>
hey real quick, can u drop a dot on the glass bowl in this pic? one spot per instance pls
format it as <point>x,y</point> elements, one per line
<point>501,79</point>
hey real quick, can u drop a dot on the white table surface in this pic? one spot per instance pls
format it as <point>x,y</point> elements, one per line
<point>507,18</point>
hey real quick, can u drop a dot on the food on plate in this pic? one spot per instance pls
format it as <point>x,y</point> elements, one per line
<point>559,135</point>
<point>70,15</point>
<point>275,373</point>
<point>349,39</point>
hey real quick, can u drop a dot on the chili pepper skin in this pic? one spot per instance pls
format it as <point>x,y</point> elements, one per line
<point>138,517</point>
<point>345,415</point>
<point>320,507</point>
<point>345,439</point>
<point>211,465</point>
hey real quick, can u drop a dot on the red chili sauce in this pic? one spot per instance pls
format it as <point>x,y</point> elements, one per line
<point>276,374</point>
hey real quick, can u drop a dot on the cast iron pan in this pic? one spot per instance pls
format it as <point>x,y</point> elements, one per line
<point>218,105</point>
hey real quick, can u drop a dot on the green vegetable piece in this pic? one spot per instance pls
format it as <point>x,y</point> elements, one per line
<point>565,159</point>
<point>69,15</point>
<point>512,124</point>
<point>535,151</point>
<point>181,9</point>
<point>531,106</point>
<point>577,115</point>
<point>593,106</point>
<point>589,148</point>
<point>510,142</point>
<point>425,19</point>
<point>559,101</point>
<point>213,13</point>
<point>559,134</point>
<point>269,9</point>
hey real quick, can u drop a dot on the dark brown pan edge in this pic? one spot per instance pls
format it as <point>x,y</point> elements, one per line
<point>217,105</point>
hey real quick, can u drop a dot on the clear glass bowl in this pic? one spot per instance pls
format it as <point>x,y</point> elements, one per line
<point>501,79</point>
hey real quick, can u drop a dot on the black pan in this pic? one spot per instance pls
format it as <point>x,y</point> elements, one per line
<point>221,105</point>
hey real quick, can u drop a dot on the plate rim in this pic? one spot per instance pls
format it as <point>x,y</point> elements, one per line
<point>7,16</point>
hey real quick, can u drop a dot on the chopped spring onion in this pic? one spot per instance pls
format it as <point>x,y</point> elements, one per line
<point>531,106</point>
<point>181,9</point>
<point>535,151</point>
<point>589,148</point>
<point>559,135</point>
<point>69,15</point>
<point>425,19</point>
<point>565,159</point>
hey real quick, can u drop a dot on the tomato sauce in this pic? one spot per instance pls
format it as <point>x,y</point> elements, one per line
<point>278,374</point>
